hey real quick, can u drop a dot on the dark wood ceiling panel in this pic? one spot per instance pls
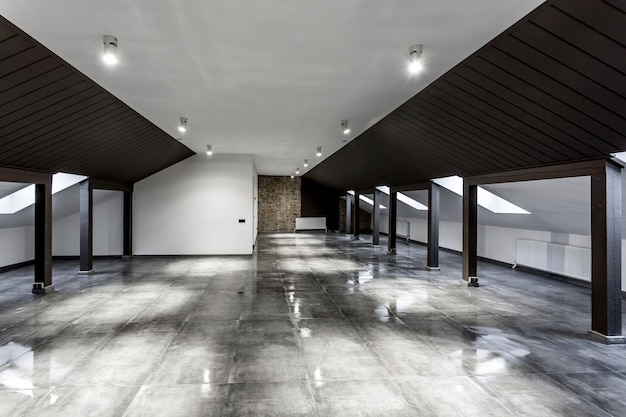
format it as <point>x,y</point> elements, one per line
<point>456,113</point>
<point>569,119</point>
<point>551,89</point>
<point>44,80</point>
<point>586,38</point>
<point>442,136</point>
<point>28,141</point>
<point>13,46</point>
<point>53,118</point>
<point>570,56</point>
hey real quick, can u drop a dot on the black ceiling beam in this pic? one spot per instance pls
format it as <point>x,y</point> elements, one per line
<point>27,176</point>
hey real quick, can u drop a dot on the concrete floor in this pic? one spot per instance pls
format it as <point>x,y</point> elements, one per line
<point>311,325</point>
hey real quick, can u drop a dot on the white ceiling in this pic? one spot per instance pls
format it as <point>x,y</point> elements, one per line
<point>271,78</point>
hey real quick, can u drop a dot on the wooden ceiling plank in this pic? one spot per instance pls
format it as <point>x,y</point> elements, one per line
<point>602,17</point>
<point>582,37</point>
<point>466,119</point>
<point>17,78</point>
<point>12,46</point>
<point>469,133</point>
<point>566,94</point>
<point>572,57</point>
<point>450,144</point>
<point>24,88</point>
<point>38,99</point>
<point>562,129</point>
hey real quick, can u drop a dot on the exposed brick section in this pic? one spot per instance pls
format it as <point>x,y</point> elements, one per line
<point>279,203</point>
<point>365,218</point>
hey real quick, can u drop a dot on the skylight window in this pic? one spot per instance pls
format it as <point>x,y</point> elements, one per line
<point>367,200</point>
<point>405,199</point>
<point>486,199</point>
<point>25,197</point>
<point>621,156</point>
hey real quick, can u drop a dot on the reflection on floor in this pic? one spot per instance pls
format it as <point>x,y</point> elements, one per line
<point>311,325</point>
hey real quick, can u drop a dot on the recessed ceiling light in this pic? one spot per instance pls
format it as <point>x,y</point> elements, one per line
<point>344,127</point>
<point>182,126</point>
<point>415,58</point>
<point>110,49</point>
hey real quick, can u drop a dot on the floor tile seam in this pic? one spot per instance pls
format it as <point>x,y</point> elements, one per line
<point>325,291</point>
<point>492,394</point>
<point>575,393</point>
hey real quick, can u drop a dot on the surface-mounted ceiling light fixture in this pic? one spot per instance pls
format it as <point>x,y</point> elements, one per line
<point>344,127</point>
<point>291,175</point>
<point>182,126</point>
<point>110,49</point>
<point>209,150</point>
<point>297,171</point>
<point>415,58</point>
<point>319,151</point>
<point>306,163</point>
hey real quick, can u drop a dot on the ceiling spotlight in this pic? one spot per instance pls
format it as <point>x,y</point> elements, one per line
<point>110,49</point>
<point>415,58</point>
<point>306,163</point>
<point>209,150</point>
<point>319,151</point>
<point>344,127</point>
<point>297,171</point>
<point>182,127</point>
<point>291,175</point>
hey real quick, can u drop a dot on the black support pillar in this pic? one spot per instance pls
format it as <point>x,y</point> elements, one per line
<point>86,228</point>
<point>348,213</point>
<point>606,255</point>
<point>357,217</point>
<point>128,224</point>
<point>470,234</point>
<point>43,238</point>
<point>376,220</point>
<point>393,218</point>
<point>432,261</point>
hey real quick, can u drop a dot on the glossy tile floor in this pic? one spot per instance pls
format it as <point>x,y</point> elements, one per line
<point>311,325</point>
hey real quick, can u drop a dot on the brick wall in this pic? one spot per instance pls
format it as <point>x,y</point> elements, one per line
<point>279,203</point>
<point>365,218</point>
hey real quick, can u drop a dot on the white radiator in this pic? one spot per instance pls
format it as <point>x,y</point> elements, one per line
<point>571,261</point>
<point>403,229</point>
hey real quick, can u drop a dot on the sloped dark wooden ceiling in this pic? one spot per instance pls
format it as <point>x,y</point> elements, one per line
<point>549,90</point>
<point>55,119</point>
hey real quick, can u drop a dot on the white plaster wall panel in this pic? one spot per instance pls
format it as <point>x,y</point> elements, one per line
<point>16,245</point>
<point>107,227</point>
<point>194,207</point>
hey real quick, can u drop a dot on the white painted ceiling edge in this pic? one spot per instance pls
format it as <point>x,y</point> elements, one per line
<point>270,78</point>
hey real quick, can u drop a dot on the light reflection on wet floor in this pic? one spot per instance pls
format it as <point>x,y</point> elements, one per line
<point>309,325</point>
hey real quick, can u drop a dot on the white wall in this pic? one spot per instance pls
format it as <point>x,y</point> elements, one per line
<point>194,207</point>
<point>497,243</point>
<point>17,245</point>
<point>108,238</point>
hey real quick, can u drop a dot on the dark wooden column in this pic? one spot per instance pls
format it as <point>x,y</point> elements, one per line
<point>348,213</point>
<point>43,238</point>
<point>432,257</point>
<point>86,228</point>
<point>606,255</point>
<point>393,218</point>
<point>376,220</point>
<point>357,217</point>
<point>470,234</point>
<point>128,224</point>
